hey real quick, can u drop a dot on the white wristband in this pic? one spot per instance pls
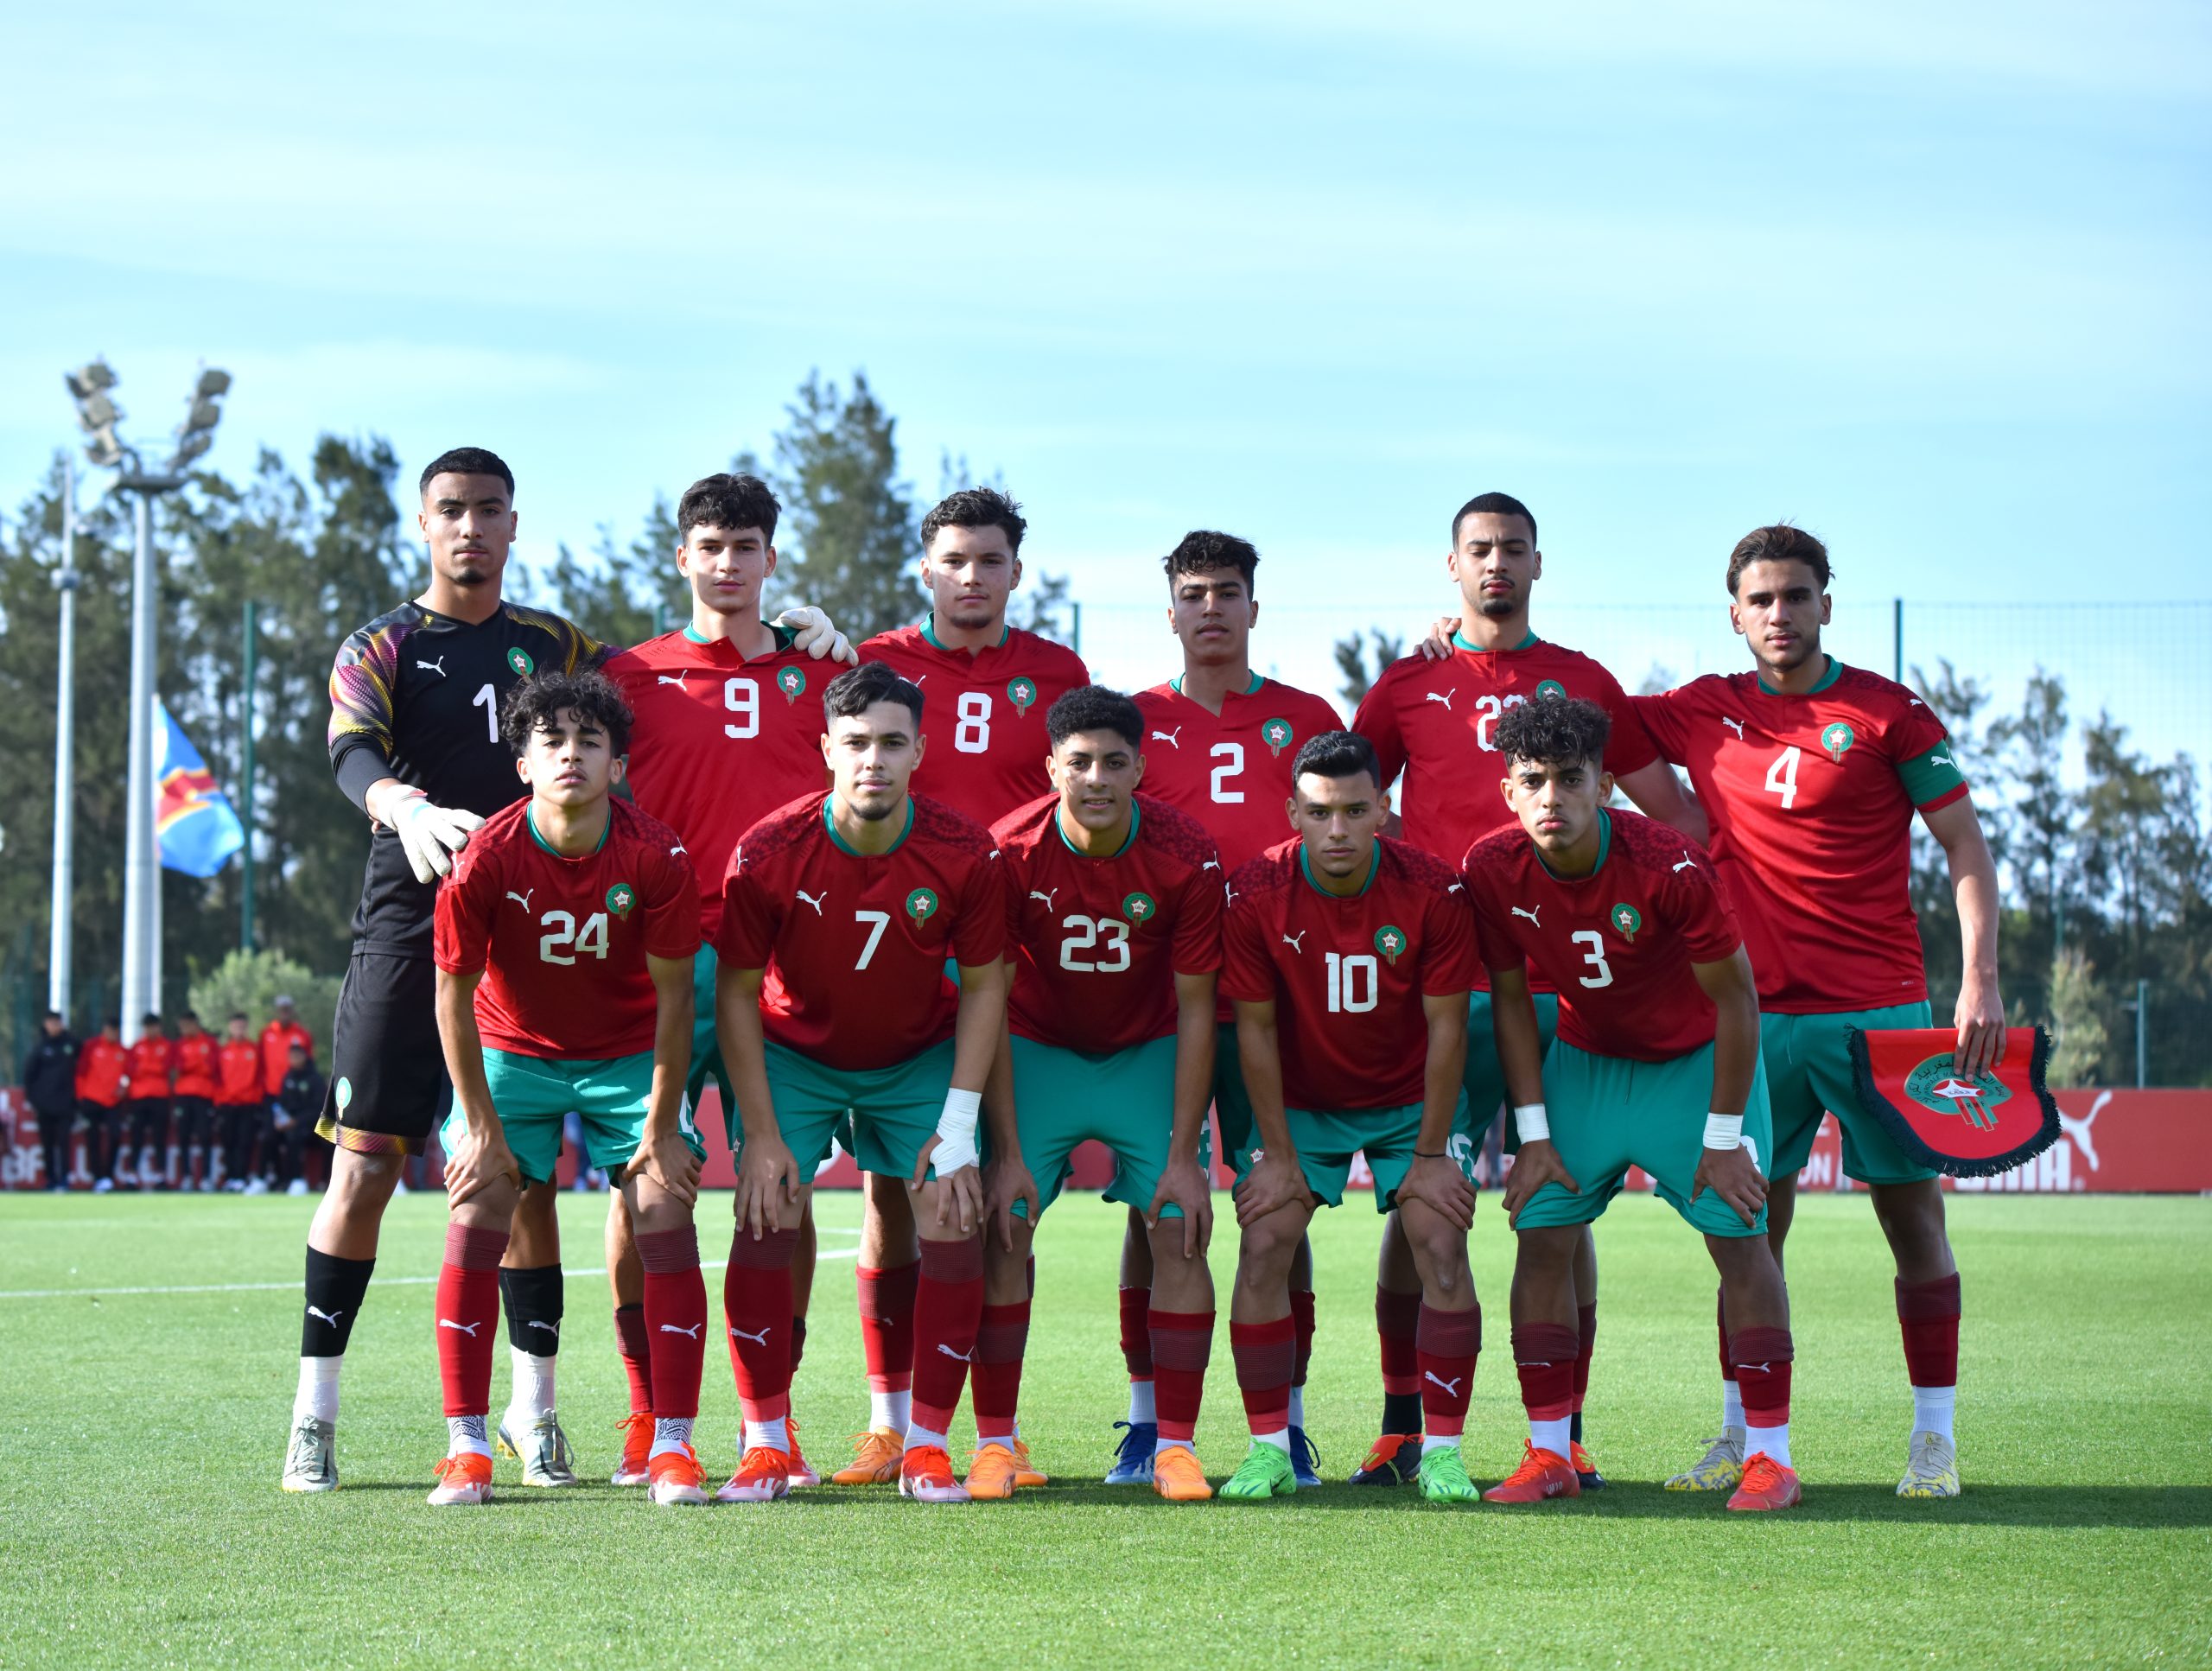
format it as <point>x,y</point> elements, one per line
<point>1528,1118</point>
<point>955,1132</point>
<point>1724,1131</point>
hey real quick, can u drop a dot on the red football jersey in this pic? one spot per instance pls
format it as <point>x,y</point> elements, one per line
<point>1422,715</point>
<point>563,942</point>
<point>1811,800</point>
<point>277,1042</point>
<point>153,1061</point>
<point>1347,976</point>
<point>100,1072</point>
<point>238,1073</point>
<point>854,944</point>
<point>1098,942</point>
<point>983,714</point>
<point>1616,944</point>
<point>1230,771</point>
<point>195,1065</point>
<point>720,742</point>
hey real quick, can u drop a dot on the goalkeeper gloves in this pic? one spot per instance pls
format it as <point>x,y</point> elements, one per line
<point>816,634</point>
<point>429,834</point>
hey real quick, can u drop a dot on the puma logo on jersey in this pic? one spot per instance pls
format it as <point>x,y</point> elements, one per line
<point>468,1329</point>
<point>1530,915</point>
<point>522,899</point>
<point>1292,940</point>
<point>1688,863</point>
<point>1943,759</point>
<point>1763,1368</point>
<point>1046,898</point>
<point>1211,864</point>
<point>967,1356</point>
<point>1455,888</point>
<point>1736,726</point>
<point>1914,702</point>
<point>814,900</point>
<point>553,1329</point>
<point>331,1318</point>
<point>691,1333</point>
<point>1451,1387</point>
<point>679,680</point>
<point>679,850</point>
<point>437,667</point>
<point>1171,738</point>
<point>760,1339</point>
<point>1445,697</point>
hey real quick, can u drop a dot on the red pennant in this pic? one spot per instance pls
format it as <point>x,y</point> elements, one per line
<point>1968,1127</point>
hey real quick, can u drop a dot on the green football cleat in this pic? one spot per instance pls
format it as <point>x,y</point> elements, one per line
<point>1933,1469</point>
<point>1443,1478</point>
<point>1265,1472</point>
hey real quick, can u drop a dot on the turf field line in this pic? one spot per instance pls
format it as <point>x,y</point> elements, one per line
<point>568,1273</point>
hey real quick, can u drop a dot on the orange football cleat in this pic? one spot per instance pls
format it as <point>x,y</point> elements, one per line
<point>1177,1476</point>
<point>803,1472</point>
<point>1586,1467</point>
<point>464,1478</point>
<point>676,1477</point>
<point>637,1430</point>
<point>1767,1484</point>
<point>993,1472</point>
<point>762,1476</point>
<point>1542,1474</point>
<point>1026,1476</point>
<point>926,1474</point>
<point>875,1458</point>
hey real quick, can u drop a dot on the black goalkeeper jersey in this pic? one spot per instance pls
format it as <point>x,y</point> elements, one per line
<point>415,696</point>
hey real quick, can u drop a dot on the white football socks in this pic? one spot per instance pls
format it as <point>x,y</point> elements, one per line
<point>318,1393</point>
<point>1141,1408</point>
<point>1933,1409</point>
<point>919,1438</point>
<point>1773,1442</point>
<point>465,1437</point>
<point>1731,1405</point>
<point>1279,1439</point>
<point>776,1434</point>
<point>533,1394</point>
<point>1439,1442</point>
<point>1553,1436</point>
<point>1298,1406</point>
<point>890,1410</point>
<point>671,1433</point>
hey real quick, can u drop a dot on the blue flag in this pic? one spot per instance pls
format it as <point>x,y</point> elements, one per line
<point>193,822</point>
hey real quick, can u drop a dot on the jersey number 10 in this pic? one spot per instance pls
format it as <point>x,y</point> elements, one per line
<point>1354,982</point>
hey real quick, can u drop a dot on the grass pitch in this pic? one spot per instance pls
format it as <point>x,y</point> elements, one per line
<point>140,1523</point>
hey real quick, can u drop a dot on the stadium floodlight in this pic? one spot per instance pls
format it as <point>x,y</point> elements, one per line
<point>194,443</point>
<point>213,383</point>
<point>201,413</point>
<point>97,412</point>
<point>89,380</point>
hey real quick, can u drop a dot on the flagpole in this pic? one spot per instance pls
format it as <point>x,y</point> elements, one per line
<point>65,758</point>
<point>245,788</point>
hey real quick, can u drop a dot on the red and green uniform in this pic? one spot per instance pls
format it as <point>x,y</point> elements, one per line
<point>982,713</point>
<point>1347,976</point>
<point>1097,944</point>
<point>1811,800</point>
<point>1629,1081</point>
<point>566,1008</point>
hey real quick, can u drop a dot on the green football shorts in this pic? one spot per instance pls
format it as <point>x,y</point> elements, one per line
<point>1232,1109</point>
<point>534,1095</point>
<point>706,1047</point>
<point>1124,1099</point>
<point>1484,1077</point>
<point>1809,1069</point>
<point>894,1110</point>
<point>1608,1113</point>
<point>1326,1141</point>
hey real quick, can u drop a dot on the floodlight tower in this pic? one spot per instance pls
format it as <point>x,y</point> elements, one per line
<point>99,414</point>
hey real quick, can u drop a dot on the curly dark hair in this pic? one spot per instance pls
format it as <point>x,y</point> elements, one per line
<point>1336,754</point>
<point>1779,542</point>
<point>537,701</point>
<point>466,461</point>
<point>730,502</point>
<point>851,694</point>
<point>1554,731</point>
<point>1496,505</point>
<point>977,507</point>
<point>1203,550</point>
<point>1094,707</point>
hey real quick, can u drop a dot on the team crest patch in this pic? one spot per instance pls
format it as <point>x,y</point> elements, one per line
<point>1836,738</point>
<point>1969,1126</point>
<point>1628,919</point>
<point>1021,693</point>
<point>1390,940</point>
<point>519,664</point>
<point>1139,909</point>
<point>344,1092</point>
<point>1277,735</point>
<point>921,904</point>
<point>793,682</point>
<point>621,899</point>
<point>1551,688</point>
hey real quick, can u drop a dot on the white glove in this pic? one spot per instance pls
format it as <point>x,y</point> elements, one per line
<point>818,635</point>
<point>429,834</point>
<point>956,1132</point>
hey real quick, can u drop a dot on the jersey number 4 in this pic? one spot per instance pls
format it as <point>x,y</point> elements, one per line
<point>1781,776</point>
<point>567,943</point>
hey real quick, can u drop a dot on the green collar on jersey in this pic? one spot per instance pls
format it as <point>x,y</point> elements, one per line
<point>783,635</point>
<point>929,634</point>
<point>844,845</point>
<point>531,825</point>
<point>1175,685</point>
<point>1460,642</point>
<point>1605,848</point>
<point>1135,813</point>
<point>1834,673</point>
<point>1374,869</point>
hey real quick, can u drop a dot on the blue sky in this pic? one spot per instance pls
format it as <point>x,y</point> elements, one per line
<point>1930,279</point>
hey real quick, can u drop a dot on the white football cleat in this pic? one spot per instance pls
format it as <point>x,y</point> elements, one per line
<point>311,1463</point>
<point>543,1452</point>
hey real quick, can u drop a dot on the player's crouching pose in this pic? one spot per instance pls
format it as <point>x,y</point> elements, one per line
<point>1349,958</point>
<point>838,912</point>
<point>564,944</point>
<point>1656,1065</point>
<point>1116,914</point>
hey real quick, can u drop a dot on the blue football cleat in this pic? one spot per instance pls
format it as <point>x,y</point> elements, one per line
<point>1132,1461</point>
<point>1304,1460</point>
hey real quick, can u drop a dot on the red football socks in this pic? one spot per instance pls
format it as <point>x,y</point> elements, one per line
<point>467,1318</point>
<point>757,1308</point>
<point>1448,1343</point>
<point>1267,1355</point>
<point>1763,1359</point>
<point>1001,1338</point>
<point>947,1310</point>
<point>634,1342</point>
<point>1927,1314</point>
<point>675,1320</point>
<point>1397,1322</point>
<point>1182,1343</point>
<point>1136,1332</point>
<point>1544,1355</point>
<point>887,1305</point>
<point>1302,1315</point>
